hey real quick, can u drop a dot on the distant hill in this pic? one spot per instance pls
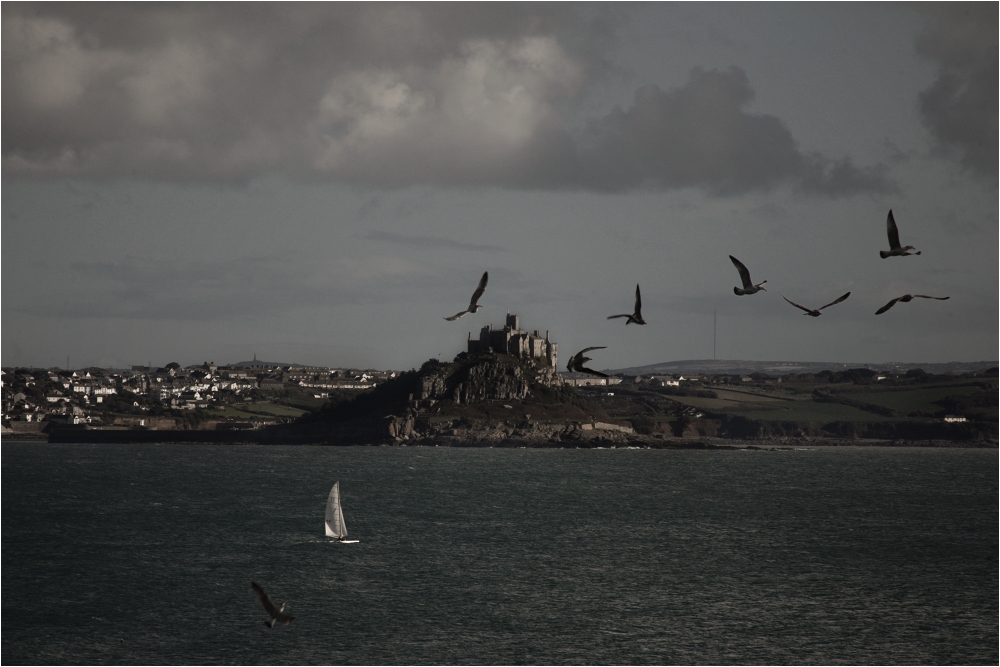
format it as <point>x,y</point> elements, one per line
<point>743,367</point>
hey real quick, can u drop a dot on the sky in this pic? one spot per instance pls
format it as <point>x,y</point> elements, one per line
<point>323,183</point>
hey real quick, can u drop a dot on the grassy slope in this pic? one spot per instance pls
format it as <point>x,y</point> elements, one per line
<point>794,402</point>
<point>910,401</point>
<point>258,410</point>
<point>812,411</point>
<point>905,400</point>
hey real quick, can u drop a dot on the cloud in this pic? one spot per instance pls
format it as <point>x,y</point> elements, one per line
<point>428,241</point>
<point>961,106</point>
<point>700,135</point>
<point>238,288</point>
<point>383,94</point>
<point>476,117</point>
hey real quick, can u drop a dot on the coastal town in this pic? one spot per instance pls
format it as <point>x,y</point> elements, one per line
<point>245,395</point>
<point>171,396</point>
<point>209,395</point>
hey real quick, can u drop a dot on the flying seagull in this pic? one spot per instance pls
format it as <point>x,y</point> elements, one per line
<point>894,247</point>
<point>908,297</point>
<point>748,286</point>
<point>473,306</point>
<point>637,315</point>
<point>576,363</point>
<point>277,614</point>
<point>815,313</point>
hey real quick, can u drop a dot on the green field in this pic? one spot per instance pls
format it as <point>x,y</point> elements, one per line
<point>911,400</point>
<point>729,401</point>
<point>259,410</point>
<point>812,411</point>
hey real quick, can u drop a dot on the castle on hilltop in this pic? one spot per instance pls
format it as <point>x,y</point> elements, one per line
<point>511,340</point>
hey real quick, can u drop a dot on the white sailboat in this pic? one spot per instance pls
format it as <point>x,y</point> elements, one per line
<point>335,525</point>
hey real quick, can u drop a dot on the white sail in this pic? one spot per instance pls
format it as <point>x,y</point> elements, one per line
<point>335,526</point>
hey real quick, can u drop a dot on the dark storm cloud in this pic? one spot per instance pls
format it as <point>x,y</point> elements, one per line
<point>700,135</point>
<point>377,94</point>
<point>961,107</point>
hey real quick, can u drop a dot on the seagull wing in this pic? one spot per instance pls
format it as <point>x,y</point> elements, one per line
<point>576,361</point>
<point>272,610</point>
<point>265,600</point>
<point>479,290</point>
<point>579,365</point>
<point>908,297</point>
<point>475,297</point>
<point>890,226</point>
<point>638,301</point>
<point>808,310</point>
<point>611,317</point>
<point>744,273</point>
<point>888,306</point>
<point>835,301</point>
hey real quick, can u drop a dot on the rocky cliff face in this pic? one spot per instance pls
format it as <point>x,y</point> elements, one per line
<point>493,381</point>
<point>487,378</point>
<point>400,427</point>
<point>399,409</point>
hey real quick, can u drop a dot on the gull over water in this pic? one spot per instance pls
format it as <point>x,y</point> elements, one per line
<point>275,613</point>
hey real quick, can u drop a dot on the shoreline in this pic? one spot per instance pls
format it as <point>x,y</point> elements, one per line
<point>598,440</point>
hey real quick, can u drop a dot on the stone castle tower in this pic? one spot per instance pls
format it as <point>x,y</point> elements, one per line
<point>511,340</point>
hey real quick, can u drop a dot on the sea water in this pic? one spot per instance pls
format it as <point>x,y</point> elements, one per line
<point>144,554</point>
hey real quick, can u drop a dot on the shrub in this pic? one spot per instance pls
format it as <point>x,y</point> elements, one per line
<point>643,424</point>
<point>679,425</point>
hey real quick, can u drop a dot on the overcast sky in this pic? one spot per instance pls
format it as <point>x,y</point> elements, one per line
<point>324,183</point>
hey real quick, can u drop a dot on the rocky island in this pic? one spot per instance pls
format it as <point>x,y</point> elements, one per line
<point>505,391</point>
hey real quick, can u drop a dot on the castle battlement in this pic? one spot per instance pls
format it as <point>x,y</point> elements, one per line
<point>515,342</point>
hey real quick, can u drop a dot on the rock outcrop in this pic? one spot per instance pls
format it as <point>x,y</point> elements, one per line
<point>398,410</point>
<point>486,377</point>
<point>400,427</point>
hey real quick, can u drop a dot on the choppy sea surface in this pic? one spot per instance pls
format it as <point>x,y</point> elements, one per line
<point>121,554</point>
